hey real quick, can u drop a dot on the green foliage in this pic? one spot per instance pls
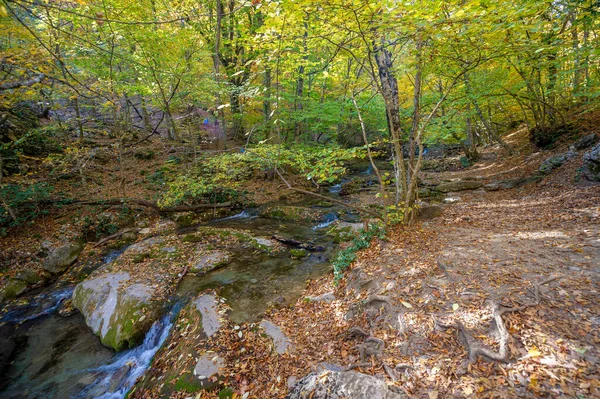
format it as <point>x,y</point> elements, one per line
<point>19,203</point>
<point>465,162</point>
<point>347,255</point>
<point>218,178</point>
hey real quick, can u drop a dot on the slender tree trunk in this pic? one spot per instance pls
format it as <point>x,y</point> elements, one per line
<point>145,116</point>
<point>267,102</point>
<point>471,144</point>
<point>300,82</point>
<point>416,117</point>
<point>236,111</point>
<point>220,113</point>
<point>78,115</point>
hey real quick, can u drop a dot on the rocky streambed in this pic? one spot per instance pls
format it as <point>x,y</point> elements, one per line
<point>94,339</point>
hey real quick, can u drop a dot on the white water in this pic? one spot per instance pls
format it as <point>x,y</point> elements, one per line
<point>42,305</point>
<point>329,219</point>
<point>242,215</point>
<point>132,364</point>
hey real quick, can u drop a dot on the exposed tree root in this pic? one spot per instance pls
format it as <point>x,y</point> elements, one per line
<point>476,348</point>
<point>356,332</point>
<point>378,298</point>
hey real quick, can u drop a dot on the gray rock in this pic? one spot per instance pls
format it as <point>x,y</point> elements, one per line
<point>207,306</point>
<point>143,246</point>
<point>591,164</point>
<point>60,258</point>
<point>29,276</point>
<point>264,242</point>
<point>459,185</point>
<point>324,366</point>
<point>511,183</point>
<point>12,289</point>
<point>118,379</point>
<point>119,316</point>
<point>556,161</point>
<point>211,261</point>
<point>426,212</point>
<point>341,384</point>
<point>585,142</point>
<point>326,297</point>
<point>208,366</point>
<point>253,281</point>
<point>451,200</point>
<point>281,342</point>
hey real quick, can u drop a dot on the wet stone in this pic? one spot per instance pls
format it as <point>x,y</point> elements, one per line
<point>206,305</point>
<point>281,342</point>
<point>208,366</point>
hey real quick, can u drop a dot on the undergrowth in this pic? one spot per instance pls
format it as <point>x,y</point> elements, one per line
<point>347,255</point>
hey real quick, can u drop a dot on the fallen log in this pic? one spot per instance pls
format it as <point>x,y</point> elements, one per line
<point>132,201</point>
<point>298,244</point>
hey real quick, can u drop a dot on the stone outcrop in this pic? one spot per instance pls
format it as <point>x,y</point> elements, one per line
<point>459,185</point>
<point>556,161</point>
<point>341,384</point>
<point>591,164</point>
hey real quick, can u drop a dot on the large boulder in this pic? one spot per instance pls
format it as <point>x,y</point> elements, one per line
<point>118,311</point>
<point>591,164</point>
<point>341,384</point>
<point>459,185</point>
<point>61,257</point>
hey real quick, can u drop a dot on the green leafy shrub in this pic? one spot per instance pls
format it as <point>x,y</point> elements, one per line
<point>347,255</point>
<point>218,178</point>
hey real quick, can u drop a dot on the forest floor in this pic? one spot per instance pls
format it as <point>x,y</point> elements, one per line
<point>534,249</point>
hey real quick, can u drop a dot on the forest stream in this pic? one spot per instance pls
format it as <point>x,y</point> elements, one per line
<point>57,355</point>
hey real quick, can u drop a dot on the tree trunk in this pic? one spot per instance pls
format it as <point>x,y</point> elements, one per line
<point>389,92</point>
<point>78,114</point>
<point>236,113</point>
<point>267,102</point>
<point>300,83</point>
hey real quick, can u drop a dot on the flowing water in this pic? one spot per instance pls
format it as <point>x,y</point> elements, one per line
<point>46,354</point>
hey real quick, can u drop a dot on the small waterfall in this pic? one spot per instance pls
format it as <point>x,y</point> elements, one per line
<point>335,189</point>
<point>327,220</point>
<point>369,170</point>
<point>245,214</point>
<point>117,378</point>
<point>42,305</point>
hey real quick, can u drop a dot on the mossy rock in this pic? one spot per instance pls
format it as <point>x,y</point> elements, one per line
<point>13,289</point>
<point>119,316</point>
<point>291,213</point>
<point>298,253</point>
